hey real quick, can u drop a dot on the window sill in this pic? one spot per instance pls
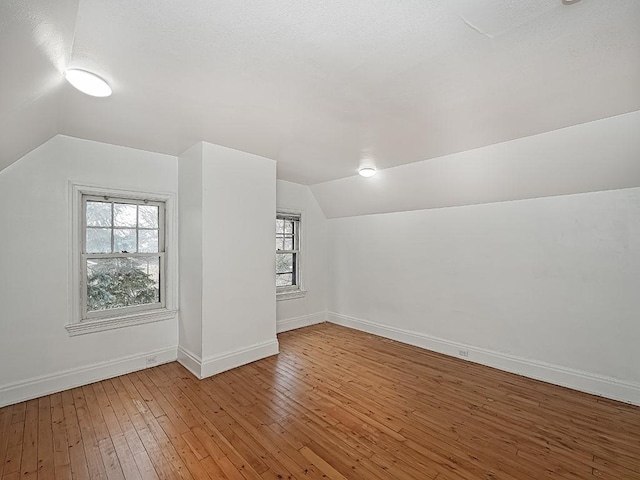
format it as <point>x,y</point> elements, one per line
<point>290,295</point>
<point>103,324</point>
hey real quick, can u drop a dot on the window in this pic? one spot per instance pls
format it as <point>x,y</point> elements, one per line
<point>288,256</point>
<point>119,270</point>
<point>122,256</point>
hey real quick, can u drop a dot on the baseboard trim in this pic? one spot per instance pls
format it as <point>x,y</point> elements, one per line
<point>299,322</point>
<point>76,377</point>
<point>214,364</point>
<point>190,361</point>
<point>222,362</point>
<point>602,386</point>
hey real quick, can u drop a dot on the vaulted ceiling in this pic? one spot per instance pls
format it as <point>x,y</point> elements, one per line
<point>316,85</point>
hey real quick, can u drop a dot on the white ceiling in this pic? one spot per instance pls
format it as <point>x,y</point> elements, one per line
<point>590,157</point>
<point>316,85</point>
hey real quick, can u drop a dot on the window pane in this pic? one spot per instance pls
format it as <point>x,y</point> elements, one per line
<point>98,214</point>
<point>98,240</point>
<point>122,282</point>
<point>124,215</point>
<point>288,226</point>
<point>147,241</point>
<point>284,280</point>
<point>284,263</point>
<point>286,240</point>
<point>124,240</point>
<point>147,216</point>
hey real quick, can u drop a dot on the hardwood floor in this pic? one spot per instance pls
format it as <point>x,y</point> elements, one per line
<point>336,404</point>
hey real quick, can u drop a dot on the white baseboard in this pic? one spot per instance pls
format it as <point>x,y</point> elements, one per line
<point>600,385</point>
<point>235,358</point>
<point>212,365</point>
<point>75,377</point>
<point>190,361</point>
<point>299,322</point>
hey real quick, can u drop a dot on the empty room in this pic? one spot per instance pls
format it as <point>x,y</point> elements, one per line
<point>320,240</point>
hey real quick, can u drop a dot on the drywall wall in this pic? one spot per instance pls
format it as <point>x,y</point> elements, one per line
<point>545,287</point>
<point>239,201</point>
<point>600,155</point>
<point>310,309</point>
<point>37,355</point>
<point>230,201</point>
<point>190,233</point>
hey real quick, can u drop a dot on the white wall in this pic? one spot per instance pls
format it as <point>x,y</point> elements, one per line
<point>545,287</point>
<point>227,216</point>
<point>239,208</point>
<point>190,233</point>
<point>595,156</point>
<point>36,353</point>
<point>299,312</point>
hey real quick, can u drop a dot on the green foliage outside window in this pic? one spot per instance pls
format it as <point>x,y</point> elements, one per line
<point>120,282</point>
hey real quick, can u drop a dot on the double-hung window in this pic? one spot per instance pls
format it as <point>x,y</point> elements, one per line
<point>288,254</point>
<point>122,256</point>
<point>120,261</point>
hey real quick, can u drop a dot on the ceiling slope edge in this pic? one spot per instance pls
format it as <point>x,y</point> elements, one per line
<point>594,156</point>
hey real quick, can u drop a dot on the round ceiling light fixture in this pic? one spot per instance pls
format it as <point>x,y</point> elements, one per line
<point>88,82</point>
<point>367,172</point>
<point>570,2</point>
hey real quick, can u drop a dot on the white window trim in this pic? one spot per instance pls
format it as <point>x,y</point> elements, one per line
<point>296,291</point>
<point>131,310</point>
<point>290,294</point>
<point>76,325</point>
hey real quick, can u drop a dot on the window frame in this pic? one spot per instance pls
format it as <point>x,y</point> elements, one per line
<point>293,291</point>
<point>81,320</point>
<point>116,312</point>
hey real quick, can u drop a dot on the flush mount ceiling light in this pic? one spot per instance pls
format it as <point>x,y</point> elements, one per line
<point>88,83</point>
<point>570,2</point>
<point>367,172</point>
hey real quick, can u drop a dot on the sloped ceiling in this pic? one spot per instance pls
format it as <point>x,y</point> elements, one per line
<point>35,47</point>
<point>317,85</point>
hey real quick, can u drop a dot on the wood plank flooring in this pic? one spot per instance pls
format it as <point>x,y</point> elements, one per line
<point>335,404</point>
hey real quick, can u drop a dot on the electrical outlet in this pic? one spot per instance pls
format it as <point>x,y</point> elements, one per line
<point>463,353</point>
<point>152,360</point>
